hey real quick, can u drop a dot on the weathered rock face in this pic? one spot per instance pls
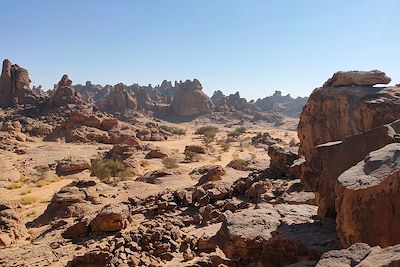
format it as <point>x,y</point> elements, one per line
<point>79,198</point>
<point>14,86</point>
<point>11,226</point>
<point>111,218</point>
<point>281,158</point>
<point>144,101</point>
<point>328,161</point>
<point>71,165</point>
<point>358,78</point>
<point>275,236</point>
<point>368,199</point>
<point>65,94</point>
<point>361,254</point>
<point>282,104</point>
<point>118,100</point>
<point>333,113</point>
<point>190,100</point>
<point>219,101</point>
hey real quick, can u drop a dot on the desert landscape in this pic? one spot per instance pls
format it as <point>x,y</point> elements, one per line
<point>166,176</point>
<point>199,133</point>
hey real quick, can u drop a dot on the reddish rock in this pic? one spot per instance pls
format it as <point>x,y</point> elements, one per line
<point>368,199</point>
<point>111,218</point>
<point>190,100</point>
<point>358,78</point>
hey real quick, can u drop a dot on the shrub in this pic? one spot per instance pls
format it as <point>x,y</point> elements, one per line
<point>14,185</point>
<point>173,130</point>
<point>42,171</point>
<point>292,142</point>
<point>192,156</point>
<point>110,171</point>
<point>206,130</point>
<point>237,132</point>
<point>170,162</point>
<point>27,200</point>
<point>226,146</point>
<point>144,163</point>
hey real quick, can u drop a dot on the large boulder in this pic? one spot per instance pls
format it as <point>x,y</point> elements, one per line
<point>328,161</point>
<point>361,254</point>
<point>79,198</point>
<point>368,199</point>
<point>365,78</point>
<point>14,86</point>
<point>190,100</point>
<point>281,158</point>
<point>111,218</point>
<point>275,236</point>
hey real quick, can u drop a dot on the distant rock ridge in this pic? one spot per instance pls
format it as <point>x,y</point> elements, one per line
<point>14,86</point>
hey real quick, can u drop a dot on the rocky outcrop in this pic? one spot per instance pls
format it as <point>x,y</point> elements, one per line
<point>333,113</point>
<point>326,162</point>
<point>111,218</point>
<point>144,102</point>
<point>12,228</point>
<point>71,165</point>
<point>275,236</point>
<point>14,86</point>
<point>286,105</point>
<point>358,78</point>
<point>219,101</point>
<point>361,254</point>
<point>65,94</point>
<point>368,199</point>
<point>190,100</point>
<point>118,100</point>
<point>78,199</point>
<point>208,173</point>
<point>281,159</point>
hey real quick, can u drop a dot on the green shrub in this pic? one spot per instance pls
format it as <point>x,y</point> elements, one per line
<point>110,171</point>
<point>173,130</point>
<point>237,132</point>
<point>226,146</point>
<point>204,130</point>
<point>192,156</point>
<point>42,171</point>
<point>170,162</point>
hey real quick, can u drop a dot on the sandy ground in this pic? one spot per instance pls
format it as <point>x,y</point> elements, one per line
<point>18,176</point>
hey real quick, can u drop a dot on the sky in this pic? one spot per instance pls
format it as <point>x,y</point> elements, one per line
<point>251,46</point>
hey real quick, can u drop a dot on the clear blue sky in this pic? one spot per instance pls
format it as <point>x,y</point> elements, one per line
<point>253,46</point>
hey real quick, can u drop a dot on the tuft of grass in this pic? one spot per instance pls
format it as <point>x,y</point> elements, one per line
<point>170,162</point>
<point>27,200</point>
<point>42,182</point>
<point>26,191</point>
<point>292,142</point>
<point>14,185</point>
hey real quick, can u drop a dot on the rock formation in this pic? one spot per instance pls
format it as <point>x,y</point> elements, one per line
<point>358,78</point>
<point>333,113</point>
<point>65,94</point>
<point>14,86</point>
<point>282,104</point>
<point>368,199</point>
<point>190,100</point>
<point>118,100</point>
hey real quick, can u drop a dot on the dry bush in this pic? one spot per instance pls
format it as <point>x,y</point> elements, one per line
<point>14,185</point>
<point>110,171</point>
<point>27,200</point>
<point>26,191</point>
<point>173,130</point>
<point>170,162</point>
